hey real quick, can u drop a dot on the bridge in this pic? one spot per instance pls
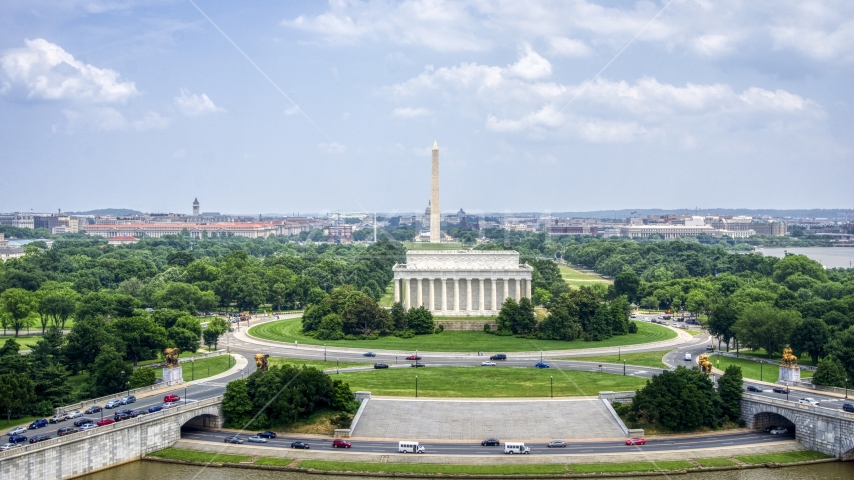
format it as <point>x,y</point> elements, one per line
<point>825,430</point>
<point>108,446</point>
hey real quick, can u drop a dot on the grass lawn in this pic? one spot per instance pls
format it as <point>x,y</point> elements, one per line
<point>786,457</point>
<point>194,456</point>
<point>387,300</point>
<point>275,461</point>
<point>206,367</point>
<point>760,354</point>
<point>714,462</point>
<point>428,468</point>
<point>750,369</point>
<point>290,330</point>
<point>646,359</point>
<point>630,466</point>
<point>575,278</point>
<point>483,382</point>
<point>15,422</point>
<point>161,359</point>
<point>329,364</point>
<point>25,341</point>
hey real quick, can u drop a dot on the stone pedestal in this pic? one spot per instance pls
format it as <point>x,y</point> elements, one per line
<point>788,375</point>
<point>173,376</point>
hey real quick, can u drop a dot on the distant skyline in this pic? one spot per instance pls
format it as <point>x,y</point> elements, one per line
<point>548,106</point>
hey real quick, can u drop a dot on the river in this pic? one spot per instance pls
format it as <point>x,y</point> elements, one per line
<point>830,257</point>
<point>152,470</point>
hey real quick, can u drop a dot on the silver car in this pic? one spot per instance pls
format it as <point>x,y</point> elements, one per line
<point>256,439</point>
<point>87,426</point>
<point>17,431</point>
<point>74,414</point>
<point>557,444</point>
<point>8,446</point>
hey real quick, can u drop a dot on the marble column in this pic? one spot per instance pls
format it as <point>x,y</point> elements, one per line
<point>506,289</point>
<point>420,294</point>
<point>444,286</point>
<point>432,303</point>
<point>494,294</point>
<point>518,290</point>
<point>469,302</point>
<point>482,299</point>
<point>456,295</point>
<point>396,290</point>
<point>528,288</point>
<point>408,292</point>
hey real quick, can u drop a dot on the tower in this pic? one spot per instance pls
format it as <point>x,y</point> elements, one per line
<point>435,219</point>
<point>196,207</point>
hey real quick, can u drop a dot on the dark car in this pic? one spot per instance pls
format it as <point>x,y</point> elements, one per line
<point>83,421</point>
<point>498,356</point>
<point>93,409</point>
<point>380,365</point>
<point>848,407</point>
<point>339,443</point>
<point>140,412</point>
<point>418,364</point>
<point>267,434</point>
<point>17,438</point>
<point>413,357</point>
<point>369,354</point>
<point>121,416</point>
<point>233,439</point>
<point>39,438</point>
<point>780,389</point>
<point>66,431</point>
<point>753,388</point>
<point>38,424</point>
<point>490,442</point>
<point>301,445</point>
<point>155,408</point>
<point>130,413</point>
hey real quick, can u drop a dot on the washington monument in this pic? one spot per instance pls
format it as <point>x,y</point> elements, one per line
<point>435,218</point>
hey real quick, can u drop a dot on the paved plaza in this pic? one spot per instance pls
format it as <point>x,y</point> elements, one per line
<point>481,419</point>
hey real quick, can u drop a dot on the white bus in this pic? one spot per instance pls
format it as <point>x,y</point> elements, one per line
<point>512,448</point>
<point>410,447</point>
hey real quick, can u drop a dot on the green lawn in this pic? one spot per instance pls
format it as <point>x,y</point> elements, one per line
<point>387,300</point>
<point>714,462</point>
<point>483,382</point>
<point>786,457</point>
<point>760,354</point>
<point>433,468</point>
<point>575,278</point>
<point>329,364</point>
<point>194,456</point>
<point>750,369</point>
<point>645,359</point>
<point>207,367</point>
<point>290,330</point>
<point>275,461</point>
<point>627,467</point>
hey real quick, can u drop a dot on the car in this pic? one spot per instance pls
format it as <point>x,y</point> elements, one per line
<point>779,431</point>
<point>488,364</point>
<point>17,438</point>
<point>753,388</point>
<point>169,405</point>
<point>256,439</point>
<point>301,445</point>
<point>234,439</point>
<point>710,347</point>
<point>490,442</point>
<point>413,357</point>
<point>340,443</point>
<point>541,365</point>
<point>498,356</point>
<point>93,409</point>
<point>267,434</point>
<point>17,431</point>
<point>38,424</point>
<point>418,364</point>
<point>83,421</point>
<point>687,357</point>
<point>39,438</point>
<point>74,414</point>
<point>556,444</point>
<point>380,365</point>
<point>121,416</point>
<point>88,426</point>
<point>59,417</point>
<point>130,413</point>
<point>848,407</point>
<point>113,404</point>
<point>369,354</point>
<point>633,316</point>
<point>8,446</point>
<point>809,401</point>
<point>104,422</point>
<point>770,427</point>
<point>66,431</point>
<point>780,390</point>
<point>140,412</point>
<point>154,408</point>
<point>636,441</point>
<point>171,398</point>
<point>128,400</point>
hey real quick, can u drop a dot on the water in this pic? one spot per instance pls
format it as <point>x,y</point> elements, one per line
<point>830,257</point>
<point>152,470</point>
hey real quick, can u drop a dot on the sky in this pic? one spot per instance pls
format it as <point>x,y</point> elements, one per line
<point>540,105</point>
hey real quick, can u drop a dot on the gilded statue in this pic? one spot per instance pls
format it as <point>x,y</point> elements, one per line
<point>789,360</point>
<point>172,357</point>
<point>705,364</point>
<point>261,361</point>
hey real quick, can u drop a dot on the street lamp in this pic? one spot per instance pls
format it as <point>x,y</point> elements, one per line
<point>185,395</point>
<point>552,385</point>
<point>337,365</point>
<point>541,356</point>
<point>624,368</point>
<point>324,352</point>
<point>416,386</point>
<point>241,374</point>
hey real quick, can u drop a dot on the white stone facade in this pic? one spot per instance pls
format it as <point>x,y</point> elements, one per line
<point>460,283</point>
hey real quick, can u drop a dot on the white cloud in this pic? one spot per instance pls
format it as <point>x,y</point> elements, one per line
<point>192,104</point>
<point>530,66</point>
<point>332,147</point>
<point>407,112</point>
<point>151,121</point>
<point>568,47</point>
<point>102,119</point>
<point>292,110</point>
<point>776,100</point>
<point>712,45</point>
<point>48,72</point>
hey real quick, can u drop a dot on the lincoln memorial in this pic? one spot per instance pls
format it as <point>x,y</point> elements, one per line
<point>461,282</point>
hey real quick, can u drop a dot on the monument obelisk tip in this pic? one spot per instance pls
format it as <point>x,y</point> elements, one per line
<point>435,146</point>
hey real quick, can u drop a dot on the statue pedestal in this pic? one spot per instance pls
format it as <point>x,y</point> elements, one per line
<point>788,375</point>
<point>173,376</point>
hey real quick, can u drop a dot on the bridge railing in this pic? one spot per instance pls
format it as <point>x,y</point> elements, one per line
<point>74,437</point>
<point>794,405</point>
<point>760,360</point>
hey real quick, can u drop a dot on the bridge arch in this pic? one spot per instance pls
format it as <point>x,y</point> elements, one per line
<point>208,417</point>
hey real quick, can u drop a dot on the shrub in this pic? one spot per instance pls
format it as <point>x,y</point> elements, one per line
<point>439,329</point>
<point>633,327</point>
<point>342,420</point>
<point>487,328</point>
<point>142,377</point>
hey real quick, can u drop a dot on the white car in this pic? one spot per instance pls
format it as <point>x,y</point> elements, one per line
<point>256,439</point>
<point>87,426</point>
<point>8,446</point>
<point>808,401</point>
<point>488,364</point>
<point>169,405</point>
<point>74,414</point>
<point>17,431</point>
<point>779,431</point>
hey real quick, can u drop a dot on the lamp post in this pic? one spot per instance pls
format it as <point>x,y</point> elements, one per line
<point>324,352</point>
<point>760,373</point>
<point>618,353</point>
<point>552,385</point>
<point>541,356</point>
<point>624,368</point>
<point>185,395</point>
<point>787,391</point>
<point>416,386</point>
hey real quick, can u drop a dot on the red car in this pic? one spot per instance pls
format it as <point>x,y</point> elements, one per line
<point>338,443</point>
<point>105,421</point>
<point>171,398</point>
<point>636,441</point>
<point>413,357</point>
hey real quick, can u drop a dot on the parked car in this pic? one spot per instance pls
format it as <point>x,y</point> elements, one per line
<point>413,357</point>
<point>83,421</point>
<point>380,365</point>
<point>121,416</point>
<point>490,442</point>
<point>66,431</point>
<point>38,424</point>
<point>17,431</point>
<point>848,407</point>
<point>636,441</point>
<point>59,417</point>
<point>301,445</point>
<point>127,412</point>
<point>557,444</point>
<point>753,388</point>
<point>809,401</point>
<point>498,356</point>
<point>770,427</point>
<point>88,426</point>
<point>256,439</point>
<point>105,421</point>
<point>234,439</point>
<point>369,354</point>
<point>39,438</point>
<point>74,414</point>
<point>154,408</point>
<point>93,409</point>
<point>779,431</point>
<point>339,443</point>
<point>780,389</point>
<point>8,446</point>
<point>113,404</point>
<point>171,398</point>
<point>128,400</point>
<point>17,438</point>
<point>541,365</point>
<point>488,364</point>
<point>418,364</point>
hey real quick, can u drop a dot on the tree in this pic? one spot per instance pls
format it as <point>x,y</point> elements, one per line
<point>842,347</point>
<point>525,320</point>
<point>363,316</point>
<point>812,336</point>
<point>681,400</point>
<point>237,404</point>
<point>142,377</point>
<point>87,337</point>
<point>420,320</point>
<point>216,328</point>
<point>142,337</point>
<point>10,347</point>
<point>722,318</point>
<point>507,316</point>
<point>619,311</point>
<point>59,306</point>
<point>331,328</point>
<point>730,388</point>
<point>18,304</point>
<point>398,317</point>
<point>763,326</point>
<point>562,322</point>
<point>16,393</point>
<point>829,372</point>
<point>793,264</point>
<point>109,372</point>
<point>541,296</point>
<point>627,283</point>
<point>183,339</point>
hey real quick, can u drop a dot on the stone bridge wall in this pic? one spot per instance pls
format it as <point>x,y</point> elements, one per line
<point>465,325</point>
<point>105,447</point>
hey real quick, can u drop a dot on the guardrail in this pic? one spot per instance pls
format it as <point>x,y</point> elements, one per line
<point>759,360</point>
<point>793,404</point>
<point>73,437</point>
<point>200,356</point>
